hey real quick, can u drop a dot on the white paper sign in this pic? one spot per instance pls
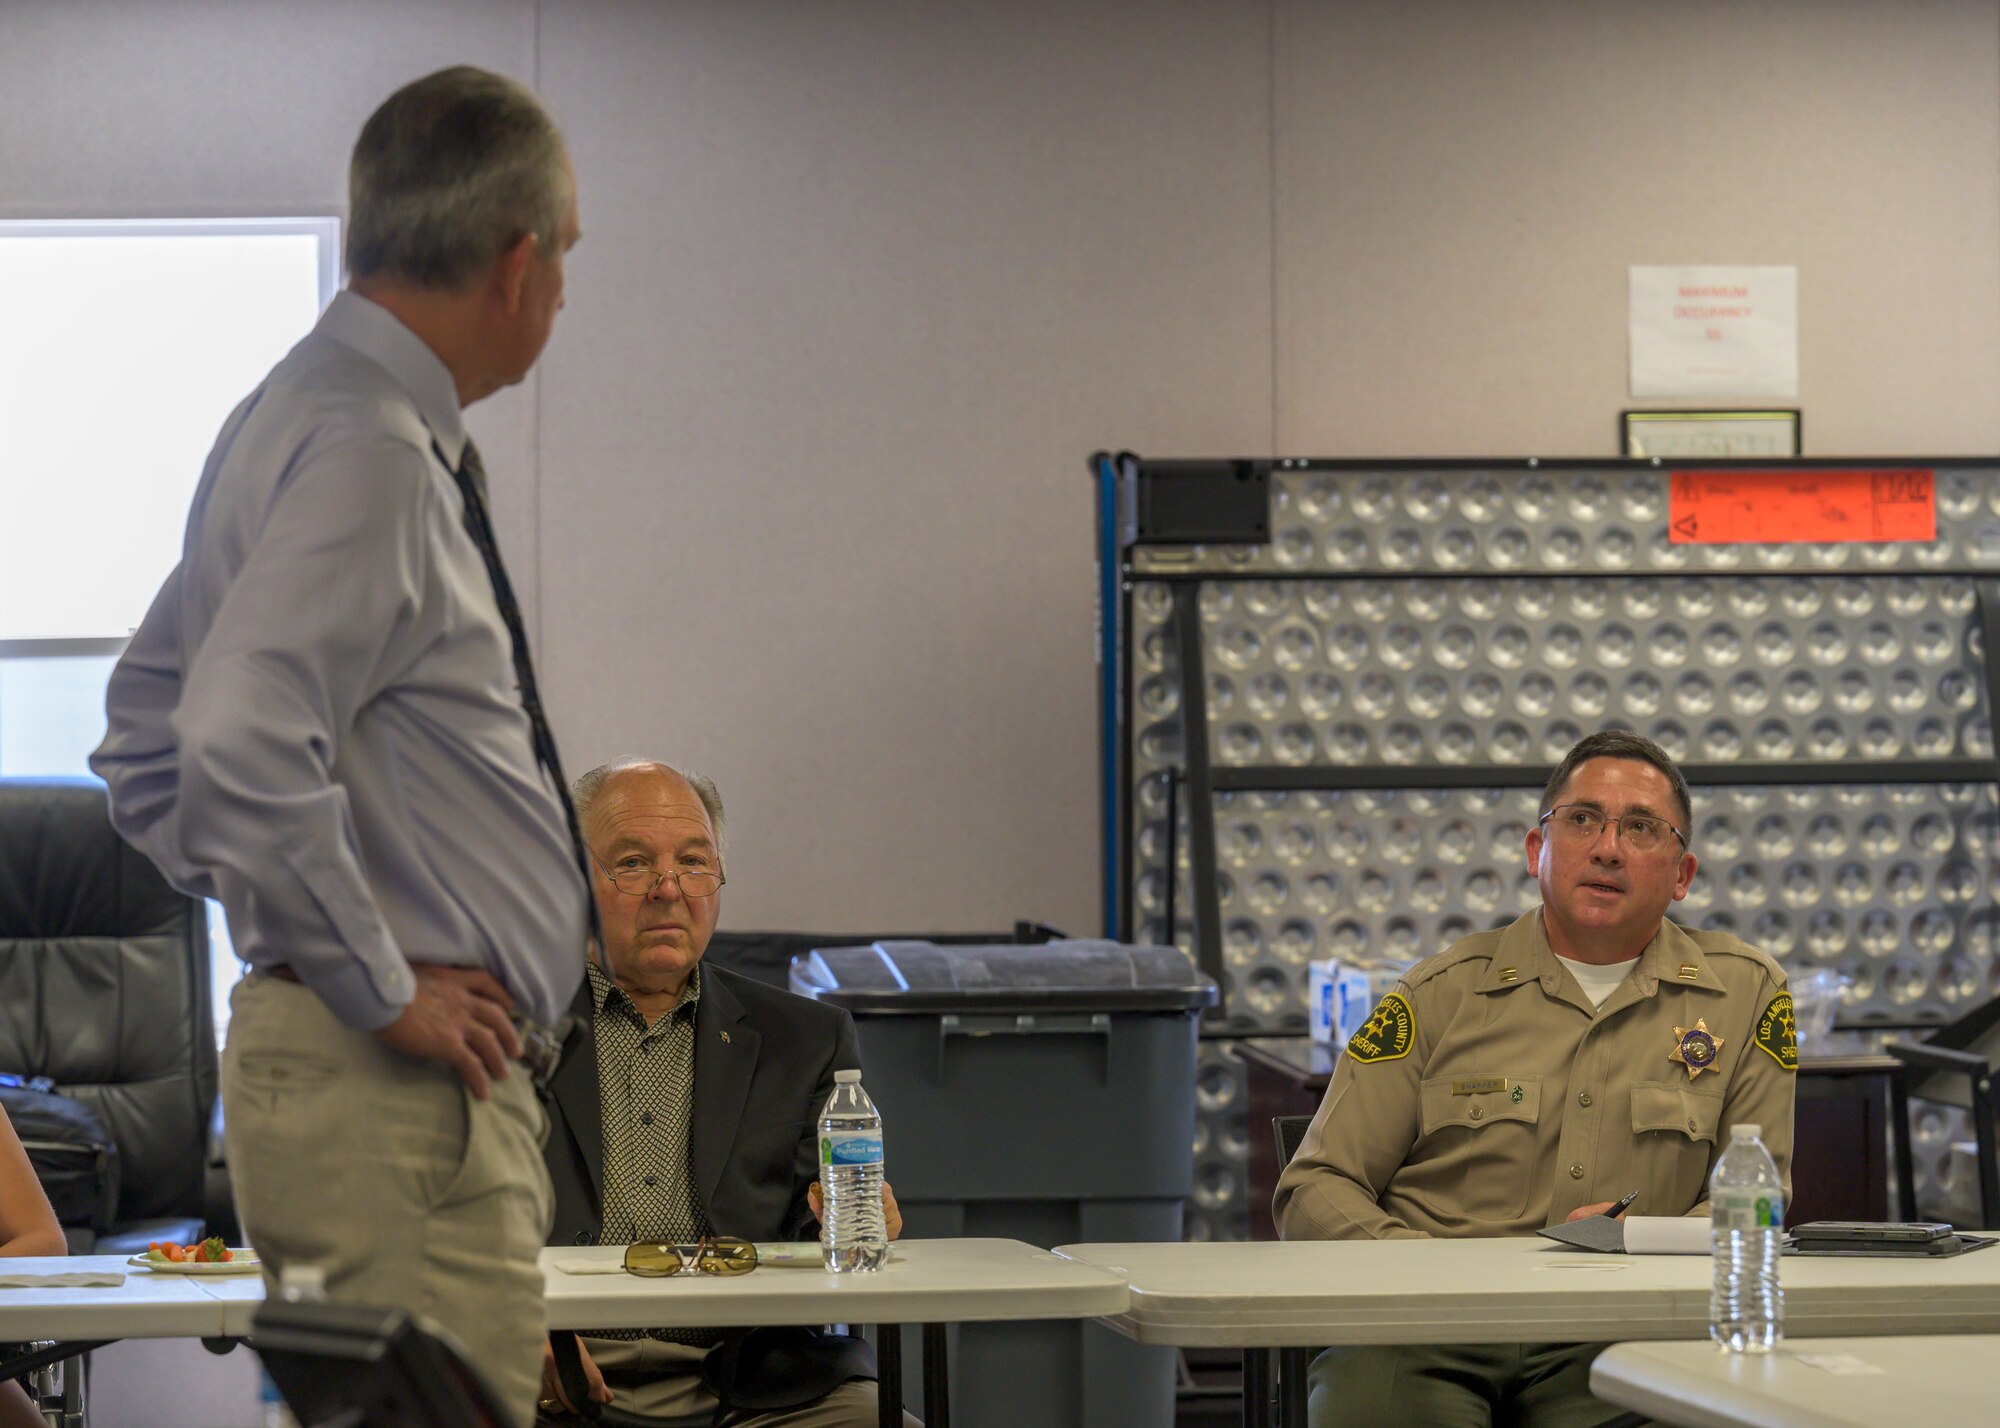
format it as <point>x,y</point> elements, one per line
<point>1715,332</point>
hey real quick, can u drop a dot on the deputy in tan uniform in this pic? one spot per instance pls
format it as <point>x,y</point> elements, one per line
<point>1539,1073</point>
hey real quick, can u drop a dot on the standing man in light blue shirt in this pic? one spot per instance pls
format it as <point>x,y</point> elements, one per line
<point>329,722</point>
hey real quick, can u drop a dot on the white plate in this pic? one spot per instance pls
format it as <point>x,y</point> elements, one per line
<point>244,1263</point>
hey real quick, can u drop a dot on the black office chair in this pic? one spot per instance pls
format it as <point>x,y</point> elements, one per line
<point>1289,1130</point>
<point>1955,1065</point>
<point>1290,1389</point>
<point>104,989</point>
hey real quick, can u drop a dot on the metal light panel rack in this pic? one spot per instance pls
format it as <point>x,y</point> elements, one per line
<point>1332,690</point>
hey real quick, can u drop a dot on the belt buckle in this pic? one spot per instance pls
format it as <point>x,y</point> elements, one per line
<point>543,1047</point>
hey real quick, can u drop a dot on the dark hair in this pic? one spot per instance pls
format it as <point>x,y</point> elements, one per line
<point>450,172</point>
<point>1620,744</point>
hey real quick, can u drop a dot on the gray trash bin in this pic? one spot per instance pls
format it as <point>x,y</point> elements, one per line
<point>1041,1093</point>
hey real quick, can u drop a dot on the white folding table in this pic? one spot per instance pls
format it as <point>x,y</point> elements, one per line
<point>145,1306</point>
<point>84,1317</point>
<point>927,1282</point>
<point>1940,1381</point>
<point>1305,1295</point>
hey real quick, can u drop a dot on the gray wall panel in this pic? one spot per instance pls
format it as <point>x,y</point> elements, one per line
<point>1461,187</point>
<point>862,285</point>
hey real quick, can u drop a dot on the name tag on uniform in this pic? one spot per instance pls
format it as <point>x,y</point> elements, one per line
<point>1479,1086</point>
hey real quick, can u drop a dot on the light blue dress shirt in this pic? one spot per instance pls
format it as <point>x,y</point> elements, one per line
<point>317,724</point>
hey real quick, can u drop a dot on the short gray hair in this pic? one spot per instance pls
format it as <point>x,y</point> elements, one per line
<point>585,790</point>
<point>453,170</point>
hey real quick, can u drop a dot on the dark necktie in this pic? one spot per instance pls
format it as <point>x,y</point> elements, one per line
<point>471,478</point>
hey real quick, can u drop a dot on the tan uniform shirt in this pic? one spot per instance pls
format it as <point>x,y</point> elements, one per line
<point>1487,1097</point>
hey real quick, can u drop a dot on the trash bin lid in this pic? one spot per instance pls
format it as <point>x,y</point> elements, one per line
<point>1073,975</point>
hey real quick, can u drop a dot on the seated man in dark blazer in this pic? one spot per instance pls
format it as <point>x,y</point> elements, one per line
<point>690,1107</point>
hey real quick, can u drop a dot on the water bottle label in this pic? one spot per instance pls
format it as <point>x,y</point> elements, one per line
<point>850,1148</point>
<point>1747,1212</point>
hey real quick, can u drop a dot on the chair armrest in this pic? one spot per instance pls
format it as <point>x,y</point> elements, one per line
<point>1939,1058</point>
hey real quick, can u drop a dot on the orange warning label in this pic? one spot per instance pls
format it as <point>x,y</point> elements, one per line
<point>1786,507</point>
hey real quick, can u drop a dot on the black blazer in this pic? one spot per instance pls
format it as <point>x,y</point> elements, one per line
<point>763,1067</point>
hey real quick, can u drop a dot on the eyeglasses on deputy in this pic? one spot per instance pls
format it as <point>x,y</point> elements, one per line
<point>1580,823</point>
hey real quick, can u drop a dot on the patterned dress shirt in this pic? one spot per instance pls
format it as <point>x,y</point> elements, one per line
<point>645,1079</point>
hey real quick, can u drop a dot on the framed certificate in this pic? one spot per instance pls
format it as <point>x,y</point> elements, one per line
<point>1729,433</point>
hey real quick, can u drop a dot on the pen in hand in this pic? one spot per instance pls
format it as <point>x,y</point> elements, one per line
<point>1622,1206</point>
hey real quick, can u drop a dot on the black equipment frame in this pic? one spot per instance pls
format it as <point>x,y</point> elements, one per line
<point>1213,501</point>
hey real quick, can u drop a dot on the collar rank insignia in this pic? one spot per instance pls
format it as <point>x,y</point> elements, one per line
<point>1697,1049</point>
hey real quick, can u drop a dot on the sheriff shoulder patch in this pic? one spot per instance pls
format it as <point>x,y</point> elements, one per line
<point>1389,1032</point>
<point>1777,1034</point>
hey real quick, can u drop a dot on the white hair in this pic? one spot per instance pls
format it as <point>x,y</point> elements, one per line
<point>585,791</point>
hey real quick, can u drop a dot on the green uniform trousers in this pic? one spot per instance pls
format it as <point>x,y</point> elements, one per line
<point>1460,1386</point>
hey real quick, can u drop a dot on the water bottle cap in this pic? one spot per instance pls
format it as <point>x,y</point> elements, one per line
<point>1744,1130</point>
<point>847,1078</point>
<point>302,1281</point>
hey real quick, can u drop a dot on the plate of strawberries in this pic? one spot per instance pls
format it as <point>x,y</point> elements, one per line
<point>209,1256</point>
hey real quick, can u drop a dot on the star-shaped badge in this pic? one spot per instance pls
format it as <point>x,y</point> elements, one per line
<point>1696,1048</point>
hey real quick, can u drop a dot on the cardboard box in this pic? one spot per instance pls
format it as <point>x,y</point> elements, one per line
<point>1338,999</point>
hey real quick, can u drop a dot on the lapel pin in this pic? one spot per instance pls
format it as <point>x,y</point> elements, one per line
<point>725,1036</point>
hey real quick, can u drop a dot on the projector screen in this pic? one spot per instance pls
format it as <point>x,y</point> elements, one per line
<point>123,347</point>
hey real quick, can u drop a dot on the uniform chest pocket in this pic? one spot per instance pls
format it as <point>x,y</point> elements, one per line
<point>1476,1157</point>
<point>1475,1102</point>
<point>1665,1106</point>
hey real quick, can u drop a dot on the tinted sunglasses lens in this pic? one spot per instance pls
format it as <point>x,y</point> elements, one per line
<point>728,1257</point>
<point>652,1260</point>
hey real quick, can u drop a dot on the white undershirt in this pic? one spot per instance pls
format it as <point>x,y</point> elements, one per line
<point>1598,980</point>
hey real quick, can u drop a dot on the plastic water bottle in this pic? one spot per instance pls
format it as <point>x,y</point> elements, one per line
<point>854,1234</point>
<point>302,1284</point>
<point>271,1409</point>
<point>1746,1200</point>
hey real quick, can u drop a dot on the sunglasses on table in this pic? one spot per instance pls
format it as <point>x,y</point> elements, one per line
<point>718,1254</point>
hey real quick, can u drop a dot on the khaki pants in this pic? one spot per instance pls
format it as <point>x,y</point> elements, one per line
<point>1460,1386</point>
<point>663,1381</point>
<point>384,1171</point>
